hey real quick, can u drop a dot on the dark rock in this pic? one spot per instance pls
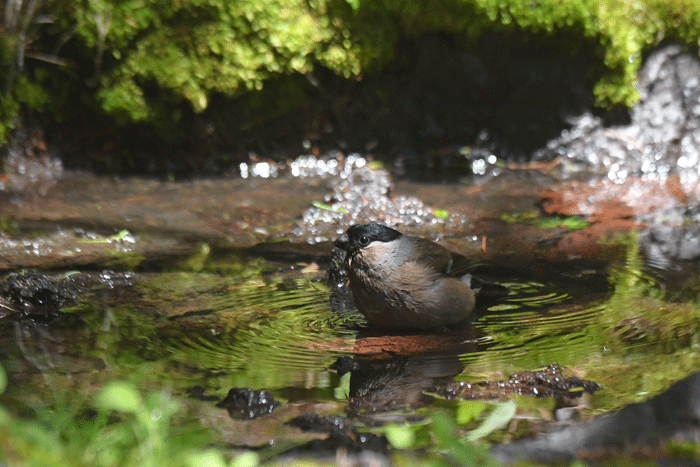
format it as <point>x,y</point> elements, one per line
<point>672,415</point>
<point>548,382</point>
<point>344,365</point>
<point>246,404</point>
<point>33,293</point>
<point>315,423</point>
<point>342,437</point>
<point>41,296</point>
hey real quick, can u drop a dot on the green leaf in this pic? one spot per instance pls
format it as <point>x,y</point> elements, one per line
<point>571,223</point>
<point>343,389</point>
<point>3,380</point>
<point>207,458</point>
<point>497,419</point>
<point>469,410</point>
<point>441,213</point>
<point>120,235</point>
<point>247,459</point>
<point>354,4</point>
<point>444,428</point>
<point>401,436</point>
<point>121,396</point>
<point>328,207</point>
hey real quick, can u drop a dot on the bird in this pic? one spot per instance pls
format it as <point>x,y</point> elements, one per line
<point>399,281</point>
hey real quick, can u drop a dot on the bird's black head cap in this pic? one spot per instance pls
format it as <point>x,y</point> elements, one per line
<point>360,235</point>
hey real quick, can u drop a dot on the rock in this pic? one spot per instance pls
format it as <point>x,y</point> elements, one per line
<point>246,404</point>
<point>673,415</point>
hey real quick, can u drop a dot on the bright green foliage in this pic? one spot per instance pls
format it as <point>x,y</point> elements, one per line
<point>126,429</point>
<point>460,453</point>
<point>401,436</point>
<point>194,48</point>
<point>499,417</point>
<point>139,59</point>
<point>469,410</point>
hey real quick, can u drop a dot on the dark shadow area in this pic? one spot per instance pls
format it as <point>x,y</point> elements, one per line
<point>505,94</point>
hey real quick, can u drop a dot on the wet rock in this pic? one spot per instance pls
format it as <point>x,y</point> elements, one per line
<point>672,415</point>
<point>666,211</point>
<point>606,199</point>
<point>33,293</point>
<point>167,218</point>
<point>343,365</point>
<point>76,248</point>
<point>661,137</point>
<point>41,296</point>
<point>343,440</point>
<point>549,382</point>
<point>246,404</point>
<point>319,424</point>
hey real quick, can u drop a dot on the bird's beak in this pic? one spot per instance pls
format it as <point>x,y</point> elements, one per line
<point>343,242</point>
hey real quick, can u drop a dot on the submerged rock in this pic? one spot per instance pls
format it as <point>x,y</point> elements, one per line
<point>548,382</point>
<point>42,296</point>
<point>673,415</point>
<point>246,404</point>
<point>343,440</point>
<point>33,293</point>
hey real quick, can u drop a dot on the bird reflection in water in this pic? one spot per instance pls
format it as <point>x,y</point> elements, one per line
<point>398,371</point>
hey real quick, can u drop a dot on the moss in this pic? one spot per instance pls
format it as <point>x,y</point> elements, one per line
<point>142,58</point>
<point>197,48</point>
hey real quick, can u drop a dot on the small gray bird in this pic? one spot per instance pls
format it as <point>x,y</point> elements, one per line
<point>405,282</point>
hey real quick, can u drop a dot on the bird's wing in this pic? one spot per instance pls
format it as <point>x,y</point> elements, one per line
<point>433,255</point>
<point>462,265</point>
<point>443,260</point>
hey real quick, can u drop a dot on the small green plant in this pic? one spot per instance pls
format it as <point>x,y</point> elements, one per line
<point>443,430</point>
<point>534,218</point>
<point>328,207</point>
<point>441,213</point>
<point>464,453</point>
<point>118,237</point>
<point>121,429</point>
<point>571,223</point>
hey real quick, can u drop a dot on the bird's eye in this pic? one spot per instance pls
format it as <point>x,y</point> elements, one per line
<point>364,240</point>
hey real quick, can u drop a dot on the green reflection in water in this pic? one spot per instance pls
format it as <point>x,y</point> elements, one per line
<point>289,336</point>
<point>534,326</point>
<point>635,342</point>
<point>278,331</point>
